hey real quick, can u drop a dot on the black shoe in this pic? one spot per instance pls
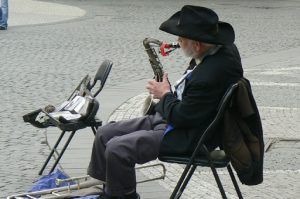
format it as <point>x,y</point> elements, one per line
<point>130,196</point>
<point>3,28</point>
<point>134,195</point>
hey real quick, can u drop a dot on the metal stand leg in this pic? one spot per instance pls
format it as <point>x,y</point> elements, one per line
<point>51,153</point>
<point>236,186</point>
<point>62,151</point>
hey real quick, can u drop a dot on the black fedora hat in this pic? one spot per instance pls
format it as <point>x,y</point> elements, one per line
<point>200,24</point>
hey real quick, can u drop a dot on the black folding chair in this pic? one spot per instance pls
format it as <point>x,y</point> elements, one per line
<point>90,120</point>
<point>214,159</point>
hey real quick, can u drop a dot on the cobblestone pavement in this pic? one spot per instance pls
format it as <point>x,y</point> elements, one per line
<point>41,64</point>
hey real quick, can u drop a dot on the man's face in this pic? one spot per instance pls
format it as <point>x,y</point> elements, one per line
<point>187,47</point>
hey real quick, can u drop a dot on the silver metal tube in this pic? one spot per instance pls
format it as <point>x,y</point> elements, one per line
<point>60,192</point>
<point>83,185</point>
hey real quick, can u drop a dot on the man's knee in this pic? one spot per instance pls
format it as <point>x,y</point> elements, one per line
<point>116,150</point>
<point>104,133</point>
<point>113,148</point>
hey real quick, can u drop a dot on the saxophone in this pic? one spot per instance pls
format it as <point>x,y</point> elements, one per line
<point>150,44</point>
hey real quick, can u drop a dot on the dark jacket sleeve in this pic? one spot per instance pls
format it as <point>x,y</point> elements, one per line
<point>203,91</point>
<point>195,108</point>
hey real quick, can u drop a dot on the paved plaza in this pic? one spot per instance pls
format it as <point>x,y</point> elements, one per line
<point>51,44</point>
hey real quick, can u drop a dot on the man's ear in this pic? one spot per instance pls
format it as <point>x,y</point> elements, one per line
<point>198,46</point>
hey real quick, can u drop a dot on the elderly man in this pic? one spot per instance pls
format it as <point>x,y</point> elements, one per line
<point>180,117</point>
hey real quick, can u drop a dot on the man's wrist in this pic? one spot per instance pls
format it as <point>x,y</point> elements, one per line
<point>165,93</point>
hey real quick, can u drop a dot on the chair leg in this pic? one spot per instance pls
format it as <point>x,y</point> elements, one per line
<point>51,153</point>
<point>180,181</point>
<point>212,167</point>
<point>236,186</point>
<point>186,181</point>
<point>62,151</point>
<point>218,182</point>
<point>94,130</point>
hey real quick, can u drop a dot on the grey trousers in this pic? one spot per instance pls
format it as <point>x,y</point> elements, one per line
<point>119,146</point>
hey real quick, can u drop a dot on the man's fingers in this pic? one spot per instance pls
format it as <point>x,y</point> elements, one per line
<point>151,82</point>
<point>165,77</point>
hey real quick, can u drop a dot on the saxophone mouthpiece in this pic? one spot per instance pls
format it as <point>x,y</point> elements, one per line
<point>172,46</point>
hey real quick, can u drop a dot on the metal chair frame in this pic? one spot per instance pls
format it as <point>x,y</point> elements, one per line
<point>84,86</point>
<point>208,159</point>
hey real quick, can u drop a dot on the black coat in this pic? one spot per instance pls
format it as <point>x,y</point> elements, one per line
<point>242,135</point>
<point>202,93</point>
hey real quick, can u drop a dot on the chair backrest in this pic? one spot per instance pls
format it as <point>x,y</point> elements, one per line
<point>93,109</point>
<point>101,76</point>
<point>223,105</point>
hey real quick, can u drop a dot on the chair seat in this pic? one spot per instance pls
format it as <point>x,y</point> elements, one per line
<point>64,126</point>
<point>218,157</point>
<point>74,126</point>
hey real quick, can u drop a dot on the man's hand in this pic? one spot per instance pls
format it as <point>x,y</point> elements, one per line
<point>159,89</point>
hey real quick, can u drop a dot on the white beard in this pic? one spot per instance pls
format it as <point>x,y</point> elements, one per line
<point>189,51</point>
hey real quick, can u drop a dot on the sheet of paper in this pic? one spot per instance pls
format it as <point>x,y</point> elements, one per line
<point>65,114</point>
